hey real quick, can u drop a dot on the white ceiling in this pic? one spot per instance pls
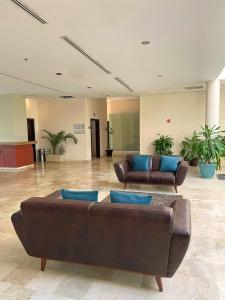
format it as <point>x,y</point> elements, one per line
<point>187,46</point>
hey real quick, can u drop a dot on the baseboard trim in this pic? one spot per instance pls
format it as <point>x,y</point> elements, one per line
<point>18,169</point>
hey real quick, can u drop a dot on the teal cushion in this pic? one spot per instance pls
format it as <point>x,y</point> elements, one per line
<point>129,198</point>
<point>80,195</point>
<point>141,162</point>
<point>169,163</point>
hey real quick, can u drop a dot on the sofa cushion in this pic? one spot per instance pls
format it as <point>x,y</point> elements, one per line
<point>129,198</point>
<point>169,163</point>
<point>79,195</point>
<point>156,162</point>
<point>159,177</point>
<point>137,176</point>
<point>141,162</point>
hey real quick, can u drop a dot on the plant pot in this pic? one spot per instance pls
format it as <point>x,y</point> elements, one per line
<point>207,170</point>
<point>109,152</point>
<point>55,158</point>
<point>193,162</point>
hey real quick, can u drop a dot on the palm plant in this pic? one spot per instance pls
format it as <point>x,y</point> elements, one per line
<point>211,145</point>
<point>57,140</point>
<point>163,145</point>
<point>190,149</point>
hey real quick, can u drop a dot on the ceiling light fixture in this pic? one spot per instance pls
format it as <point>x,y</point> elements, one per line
<point>145,43</point>
<point>26,59</point>
<point>29,11</point>
<point>58,74</point>
<point>89,87</point>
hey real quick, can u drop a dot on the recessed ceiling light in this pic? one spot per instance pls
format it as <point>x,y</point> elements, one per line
<point>89,87</point>
<point>58,74</point>
<point>160,76</point>
<point>145,42</point>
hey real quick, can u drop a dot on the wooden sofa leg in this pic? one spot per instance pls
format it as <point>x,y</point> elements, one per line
<point>43,263</point>
<point>175,187</point>
<point>159,283</point>
<point>125,185</point>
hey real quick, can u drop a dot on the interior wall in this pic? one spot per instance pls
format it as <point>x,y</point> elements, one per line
<point>222,110</point>
<point>174,114</point>
<point>57,115</point>
<point>13,124</point>
<point>121,105</point>
<point>96,109</point>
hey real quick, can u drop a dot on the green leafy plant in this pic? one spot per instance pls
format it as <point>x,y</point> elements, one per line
<point>190,148</point>
<point>211,145</point>
<point>163,145</point>
<point>57,140</point>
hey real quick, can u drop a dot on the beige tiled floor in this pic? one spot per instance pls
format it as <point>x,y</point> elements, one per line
<point>201,275</point>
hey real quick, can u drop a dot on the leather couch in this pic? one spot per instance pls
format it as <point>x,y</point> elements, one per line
<point>126,175</point>
<point>149,239</point>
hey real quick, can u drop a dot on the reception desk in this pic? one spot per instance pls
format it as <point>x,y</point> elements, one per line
<point>16,155</point>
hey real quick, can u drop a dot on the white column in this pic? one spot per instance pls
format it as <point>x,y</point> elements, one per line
<point>212,113</point>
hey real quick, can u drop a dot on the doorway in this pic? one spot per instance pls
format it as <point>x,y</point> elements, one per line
<point>31,134</point>
<point>95,138</point>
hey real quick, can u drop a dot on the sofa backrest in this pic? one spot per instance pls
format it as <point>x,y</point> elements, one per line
<point>131,237</point>
<point>154,164</point>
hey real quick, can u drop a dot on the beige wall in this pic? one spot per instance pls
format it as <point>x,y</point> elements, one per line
<point>57,115</point>
<point>186,110</point>
<point>97,109</point>
<point>222,110</point>
<point>13,123</point>
<point>122,106</point>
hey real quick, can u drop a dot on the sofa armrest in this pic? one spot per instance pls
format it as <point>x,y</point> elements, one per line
<point>181,173</point>
<point>181,235</point>
<point>17,222</point>
<point>121,169</point>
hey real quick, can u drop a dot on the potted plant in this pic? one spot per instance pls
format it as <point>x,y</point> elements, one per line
<point>163,145</point>
<point>189,149</point>
<point>210,150</point>
<point>109,151</point>
<point>57,144</point>
<point>223,155</point>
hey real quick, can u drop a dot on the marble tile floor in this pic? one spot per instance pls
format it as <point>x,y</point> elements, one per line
<point>201,275</point>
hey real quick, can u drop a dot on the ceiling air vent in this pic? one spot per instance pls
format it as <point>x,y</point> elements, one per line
<point>195,87</point>
<point>67,97</point>
<point>79,49</point>
<point>123,83</point>
<point>31,12</point>
<point>30,82</point>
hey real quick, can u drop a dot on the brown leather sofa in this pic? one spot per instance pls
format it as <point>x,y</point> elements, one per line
<point>126,175</point>
<point>150,239</point>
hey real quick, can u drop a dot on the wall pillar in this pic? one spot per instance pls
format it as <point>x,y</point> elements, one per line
<point>212,112</point>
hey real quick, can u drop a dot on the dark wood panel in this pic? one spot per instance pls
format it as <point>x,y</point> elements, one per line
<point>2,162</point>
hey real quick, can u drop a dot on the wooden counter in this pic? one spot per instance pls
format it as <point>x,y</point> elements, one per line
<point>18,143</point>
<point>16,155</point>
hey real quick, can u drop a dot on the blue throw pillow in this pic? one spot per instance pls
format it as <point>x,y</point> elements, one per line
<point>80,195</point>
<point>129,198</point>
<point>141,162</point>
<point>169,163</point>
